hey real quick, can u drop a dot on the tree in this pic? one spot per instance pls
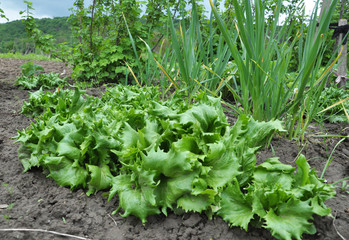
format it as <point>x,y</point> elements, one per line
<point>2,14</point>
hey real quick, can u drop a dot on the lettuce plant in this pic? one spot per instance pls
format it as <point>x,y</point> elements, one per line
<point>277,197</point>
<point>31,78</point>
<point>171,155</point>
<point>44,81</point>
<point>41,101</point>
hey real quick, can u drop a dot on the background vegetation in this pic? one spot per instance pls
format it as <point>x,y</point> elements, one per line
<point>14,37</point>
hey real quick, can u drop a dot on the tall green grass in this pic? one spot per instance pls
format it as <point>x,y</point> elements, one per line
<point>149,74</point>
<point>202,58</point>
<point>263,64</point>
<point>191,60</point>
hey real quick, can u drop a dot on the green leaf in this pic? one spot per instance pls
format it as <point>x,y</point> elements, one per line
<point>131,199</point>
<point>28,160</point>
<point>162,111</point>
<point>65,172</point>
<point>68,149</point>
<point>255,133</point>
<point>302,174</point>
<point>267,197</point>
<point>235,209</point>
<point>247,160</point>
<point>77,100</point>
<point>100,178</point>
<point>129,137</point>
<point>151,133</point>
<point>170,164</point>
<point>170,190</point>
<point>134,203</point>
<point>85,145</point>
<point>200,188</point>
<point>103,141</point>
<point>194,203</point>
<point>223,165</point>
<point>64,129</point>
<point>319,207</point>
<point>258,133</point>
<point>291,220</point>
<point>147,182</point>
<point>273,173</point>
<point>203,116</point>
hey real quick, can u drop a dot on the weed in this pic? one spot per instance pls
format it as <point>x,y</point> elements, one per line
<point>344,187</point>
<point>8,188</point>
<point>10,206</point>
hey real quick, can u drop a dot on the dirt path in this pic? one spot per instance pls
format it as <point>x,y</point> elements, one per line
<point>36,202</point>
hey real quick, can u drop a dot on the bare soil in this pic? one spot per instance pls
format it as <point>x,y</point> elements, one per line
<point>32,201</point>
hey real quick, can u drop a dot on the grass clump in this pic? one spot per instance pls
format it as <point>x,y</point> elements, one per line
<point>30,56</point>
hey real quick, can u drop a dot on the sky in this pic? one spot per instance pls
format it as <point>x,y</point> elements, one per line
<point>60,8</point>
<point>43,8</point>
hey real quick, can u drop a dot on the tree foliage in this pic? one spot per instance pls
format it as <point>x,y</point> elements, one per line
<point>15,39</point>
<point>101,40</point>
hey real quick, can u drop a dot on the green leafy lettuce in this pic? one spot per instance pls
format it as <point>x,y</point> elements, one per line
<point>44,81</point>
<point>159,156</point>
<point>41,101</point>
<point>282,200</point>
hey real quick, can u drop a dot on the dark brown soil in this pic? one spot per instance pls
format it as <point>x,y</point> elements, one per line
<point>32,201</point>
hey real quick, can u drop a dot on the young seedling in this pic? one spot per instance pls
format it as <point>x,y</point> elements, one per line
<point>8,188</point>
<point>345,187</point>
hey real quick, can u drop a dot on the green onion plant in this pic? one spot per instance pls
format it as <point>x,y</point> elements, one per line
<point>201,61</point>
<point>148,74</point>
<point>263,64</point>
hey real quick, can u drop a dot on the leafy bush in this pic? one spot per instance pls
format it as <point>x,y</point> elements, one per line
<point>172,155</point>
<point>100,42</point>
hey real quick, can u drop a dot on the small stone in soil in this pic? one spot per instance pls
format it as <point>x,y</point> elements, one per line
<point>192,221</point>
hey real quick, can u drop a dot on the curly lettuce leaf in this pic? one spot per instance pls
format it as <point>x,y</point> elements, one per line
<point>170,163</point>
<point>235,207</point>
<point>272,173</point>
<point>131,200</point>
<point>290,220</point>
<point>222,165</point>
<point>66,172</point>
<point>255,133</point>
<point>100,178</point>
<point>170,190</point>
<point>194,203</point>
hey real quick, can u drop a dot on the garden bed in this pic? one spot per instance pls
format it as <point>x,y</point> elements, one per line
<point>32,201</point>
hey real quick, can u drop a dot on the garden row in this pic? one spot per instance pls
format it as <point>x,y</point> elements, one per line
<point>170,155</point>
<point>170,147</point>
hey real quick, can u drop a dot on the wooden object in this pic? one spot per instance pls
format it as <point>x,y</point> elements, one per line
<point>342,66</point>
